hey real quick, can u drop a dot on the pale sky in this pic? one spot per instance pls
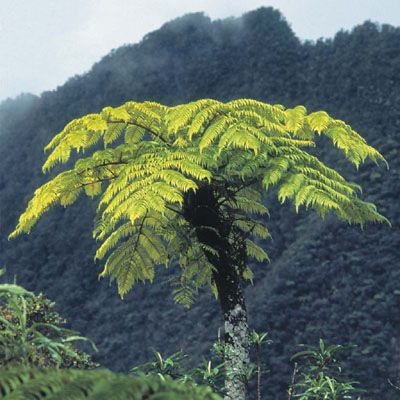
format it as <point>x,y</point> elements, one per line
<point>44,42</point>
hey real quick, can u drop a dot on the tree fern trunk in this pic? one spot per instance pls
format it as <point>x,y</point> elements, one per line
<point>236,332</point>
<point>202,211</point>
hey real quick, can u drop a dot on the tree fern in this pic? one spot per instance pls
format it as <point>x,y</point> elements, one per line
<point>184,184</point>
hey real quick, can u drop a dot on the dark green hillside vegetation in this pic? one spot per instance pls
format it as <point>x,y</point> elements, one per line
<point>325,279</point>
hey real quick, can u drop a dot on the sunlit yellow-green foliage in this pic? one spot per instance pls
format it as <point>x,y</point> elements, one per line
<point>151,155</point>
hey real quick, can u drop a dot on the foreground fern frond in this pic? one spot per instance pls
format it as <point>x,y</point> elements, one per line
<point>17,383</point>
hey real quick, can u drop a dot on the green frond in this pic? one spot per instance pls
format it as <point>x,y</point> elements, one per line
<point>158,108</point>
<point>146,115</point>
<point>248,275</point>
<point>361,212</point>
<point>252,227</point>
<point>275,170</point>
<point>336,195</point>
<point>60,155</point>
<point>108,125</point>
<point>243,139</point>
<point>226,138</point>
<point>134,134</point>
<point>255,251</point>
<point>247,205</point>
<point>214,131</point>
<point>323,200</point>
<point>318,121</point>
<point>80,134</point>
<point>93,189</point>
<point>177,179</point>
<point>354,147</point>
<point>294,118</point>
<point>290,187</point>
<point>68,197</point>
<point>167,192</point>
<point>305,132</point>
<point>181,141</point>
<point>293,143</point>
<point>113,132</point>
<point>274,113</point>
<point>180,116</point>
<point>303,195</point>
<point>251,192</point>
<point>196,271</point>
<point>337,183</point>
<point>261,136</point>
<point>248,165</point>
<point>68,384</point>
<point>116,114</point>
<point>46,197</point>
<point>184,293</point>
<point>134,260</point>
<point>139,205</point>
<point>149,112</point>
<point>122,232</point>
<point>204,118</point>
<point>192,169</point>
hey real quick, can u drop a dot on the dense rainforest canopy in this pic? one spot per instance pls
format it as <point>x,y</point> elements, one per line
<point>325,279</point>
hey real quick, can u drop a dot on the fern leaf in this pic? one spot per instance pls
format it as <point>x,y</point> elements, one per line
<point>295,118</point>
<point>255,251</point>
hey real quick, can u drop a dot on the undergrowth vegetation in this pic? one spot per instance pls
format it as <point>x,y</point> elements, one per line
<point>33,333</point>
<point>38,359</point>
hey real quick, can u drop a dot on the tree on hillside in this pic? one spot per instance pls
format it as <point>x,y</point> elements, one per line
<point>184,184</point>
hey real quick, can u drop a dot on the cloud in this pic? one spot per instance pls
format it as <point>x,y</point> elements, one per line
<point>44,42</point>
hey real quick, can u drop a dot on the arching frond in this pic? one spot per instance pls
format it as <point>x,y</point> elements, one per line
<point>180,116</point>
<point>255,251</point>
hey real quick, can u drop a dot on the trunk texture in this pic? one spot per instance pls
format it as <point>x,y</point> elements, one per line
<point>258,373</point>
<point>236,332</point>
<point>201,210</point>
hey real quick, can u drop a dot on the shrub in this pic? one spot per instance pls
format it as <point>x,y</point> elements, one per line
<point>32,332</point>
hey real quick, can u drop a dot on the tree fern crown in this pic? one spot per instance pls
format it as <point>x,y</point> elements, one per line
<point>144,160</point>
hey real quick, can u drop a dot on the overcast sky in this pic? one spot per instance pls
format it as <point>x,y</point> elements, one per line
<point>44,42</point>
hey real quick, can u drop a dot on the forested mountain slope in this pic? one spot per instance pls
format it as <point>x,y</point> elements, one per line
<point>325,279</point>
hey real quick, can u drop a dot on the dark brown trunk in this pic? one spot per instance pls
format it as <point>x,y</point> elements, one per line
<point>258,372</point>
<point>202,212</point>
<point>236,332</point>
